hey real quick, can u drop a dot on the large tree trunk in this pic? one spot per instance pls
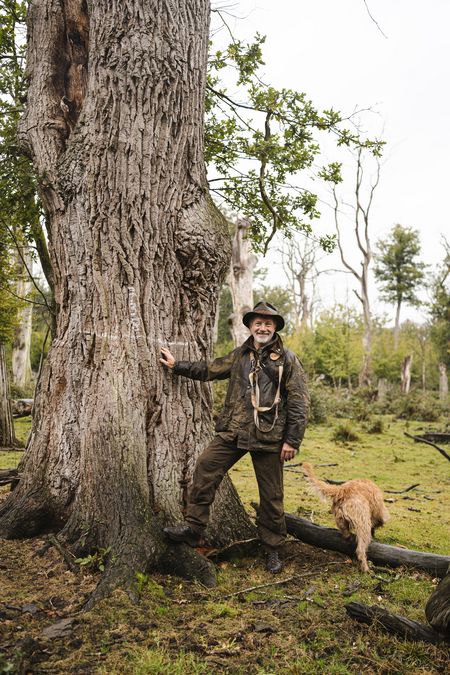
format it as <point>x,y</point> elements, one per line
<point>115,126</point>
<point>241,281</point>
<point>21,363</point>
<point>7,437</point>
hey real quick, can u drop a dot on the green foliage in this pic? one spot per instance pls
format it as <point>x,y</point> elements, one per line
<point>440,308</point>
<point>337,351</point>
<point>144,583</point>
<point>375,426</point>
<point>9,305</point>
<point>95,561</point>
<point>19,208</point>
<point>276,130</point>
<point>344,433</point>
<point>418,406</point>
<point>162,662</point>
<point>319,404</point>
<point>221,609</point>
<point>6,666</point>
<point>398,268</point>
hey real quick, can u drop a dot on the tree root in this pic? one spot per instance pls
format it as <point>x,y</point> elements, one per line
<point>186,562</point>
<point>24,516</point>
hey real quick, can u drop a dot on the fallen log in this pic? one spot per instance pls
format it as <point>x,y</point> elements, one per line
<point>400,492</point>
<point>22,407</point>
<point>437,436</point>
<point>8,476</point>
<point>380,554</point>
<point>421,439</point>
<point>393,623</point>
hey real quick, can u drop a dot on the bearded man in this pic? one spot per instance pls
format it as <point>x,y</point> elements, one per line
<point>265,414</point>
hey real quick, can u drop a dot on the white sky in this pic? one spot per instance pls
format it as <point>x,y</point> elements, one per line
<point>334,52</point>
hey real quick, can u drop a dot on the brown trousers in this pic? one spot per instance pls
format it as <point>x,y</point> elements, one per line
<point>211,467</point>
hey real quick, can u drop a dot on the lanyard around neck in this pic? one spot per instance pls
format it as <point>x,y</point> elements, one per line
<point>255,396</point>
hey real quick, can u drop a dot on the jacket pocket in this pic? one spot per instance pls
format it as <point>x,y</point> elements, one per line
<point>223,421</point>
<point>276,434</point>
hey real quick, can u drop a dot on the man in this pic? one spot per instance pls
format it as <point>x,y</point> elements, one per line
<point>265,413</point>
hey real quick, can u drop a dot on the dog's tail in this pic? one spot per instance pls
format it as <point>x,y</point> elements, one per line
<point>323,488</point>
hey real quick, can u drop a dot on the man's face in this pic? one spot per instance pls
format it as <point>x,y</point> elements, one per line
<point>262,330</point>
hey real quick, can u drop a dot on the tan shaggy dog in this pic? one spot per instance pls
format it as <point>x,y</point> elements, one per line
<point>357,506</point>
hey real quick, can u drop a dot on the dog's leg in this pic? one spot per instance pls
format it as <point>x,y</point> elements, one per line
<point>342,524</point>
<point>357,513</point>
<point>363,538</point>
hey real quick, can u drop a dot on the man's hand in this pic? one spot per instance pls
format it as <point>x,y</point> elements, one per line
<point>287,452</point>
<point>167,358</point>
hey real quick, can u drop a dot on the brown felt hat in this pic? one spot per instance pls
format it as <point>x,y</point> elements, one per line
<point>263,308</point>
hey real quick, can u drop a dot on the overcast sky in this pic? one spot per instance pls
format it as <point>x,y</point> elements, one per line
<point>333,51</point>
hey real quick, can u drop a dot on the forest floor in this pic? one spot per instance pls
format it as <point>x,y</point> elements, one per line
<point>294,623</point>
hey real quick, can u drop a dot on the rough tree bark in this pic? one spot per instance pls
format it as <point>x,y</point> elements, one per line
<point>241,281</point>
<point>21,363</point>
<point>7,437</point>
<point>138,250</point>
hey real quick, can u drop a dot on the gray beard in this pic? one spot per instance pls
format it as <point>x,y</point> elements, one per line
<point>262,339</point>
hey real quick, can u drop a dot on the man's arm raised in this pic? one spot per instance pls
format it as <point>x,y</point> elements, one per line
<point>218,369</point>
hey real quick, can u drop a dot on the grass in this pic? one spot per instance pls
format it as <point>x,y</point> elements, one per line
<point>293,628</point>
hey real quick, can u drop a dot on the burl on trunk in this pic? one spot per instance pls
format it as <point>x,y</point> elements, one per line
<point>114,124</point>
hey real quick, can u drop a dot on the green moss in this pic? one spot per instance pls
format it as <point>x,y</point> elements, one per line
<point>221,609</point>
<point>158,662</point>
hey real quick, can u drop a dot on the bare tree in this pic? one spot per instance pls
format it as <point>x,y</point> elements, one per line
<point>406,374</point>
<point>7,438</point>
<point>21,349</point>
<point>243,262</point>
<point>361,222</point>
<point>299,261</point>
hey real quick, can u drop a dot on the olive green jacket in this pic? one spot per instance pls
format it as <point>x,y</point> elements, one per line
<point>236,421</point>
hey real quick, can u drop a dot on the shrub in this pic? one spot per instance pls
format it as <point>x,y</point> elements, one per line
<point>375,426</point>
<point>344,433</point>
<point>418,406</point>
<point>319,404</point>
<point>361,410</point>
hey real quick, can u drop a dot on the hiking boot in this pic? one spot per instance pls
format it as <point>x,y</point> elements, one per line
<point>182,533</point>
<point>273,562</point>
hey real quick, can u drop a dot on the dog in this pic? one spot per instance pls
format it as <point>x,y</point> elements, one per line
<point>357,506</point>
